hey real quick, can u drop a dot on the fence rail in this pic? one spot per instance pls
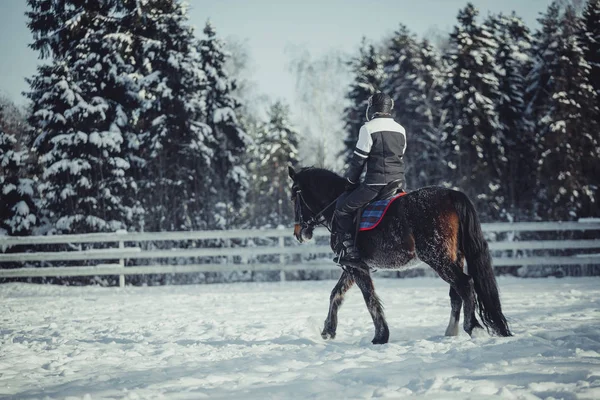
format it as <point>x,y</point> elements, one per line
<point>235,257</point>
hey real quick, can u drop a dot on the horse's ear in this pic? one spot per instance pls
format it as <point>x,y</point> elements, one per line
<point>291,172</point>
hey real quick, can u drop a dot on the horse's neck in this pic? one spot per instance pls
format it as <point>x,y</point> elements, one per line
<point>331,198</point>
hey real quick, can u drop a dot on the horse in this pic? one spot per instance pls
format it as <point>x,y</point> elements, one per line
<point>434,225</point>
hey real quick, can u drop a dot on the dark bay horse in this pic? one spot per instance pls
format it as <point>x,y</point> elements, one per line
<point>435,225</point>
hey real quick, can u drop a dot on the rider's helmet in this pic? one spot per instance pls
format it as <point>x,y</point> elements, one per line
<point>380,104</point>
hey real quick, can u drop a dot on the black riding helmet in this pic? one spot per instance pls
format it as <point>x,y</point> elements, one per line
<point>380,104</point>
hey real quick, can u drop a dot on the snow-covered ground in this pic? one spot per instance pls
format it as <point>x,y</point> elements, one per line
<point>262,341</point>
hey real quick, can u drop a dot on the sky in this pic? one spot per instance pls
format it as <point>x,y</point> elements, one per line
<point>271,27</point>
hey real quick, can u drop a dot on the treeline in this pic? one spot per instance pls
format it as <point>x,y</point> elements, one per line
<point>510,116</point>
<point>134,123</point>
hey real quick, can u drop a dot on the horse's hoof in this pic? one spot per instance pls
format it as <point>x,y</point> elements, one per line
<point>379,341</point>
<point>452,331</point>
<point>328,335</point>
<point>382,336</point>
<point>478,332</point>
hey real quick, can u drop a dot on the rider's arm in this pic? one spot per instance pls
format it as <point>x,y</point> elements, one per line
<point>360,155</point>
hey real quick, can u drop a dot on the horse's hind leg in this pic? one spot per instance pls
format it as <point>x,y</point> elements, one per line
<point>456,303</point>
<point>335,301</point>
<point>451,271</point>
<point>365,283</point>
<point>464,287</point>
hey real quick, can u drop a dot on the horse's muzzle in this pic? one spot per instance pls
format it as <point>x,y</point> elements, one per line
<point>302,234</point>
<point>298,232</point>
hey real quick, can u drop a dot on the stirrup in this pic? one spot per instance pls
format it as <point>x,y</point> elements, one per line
<point>337,257</point>
<point>354,262</point>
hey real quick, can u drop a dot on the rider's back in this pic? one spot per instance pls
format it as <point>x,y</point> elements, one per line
<point>387,145</point>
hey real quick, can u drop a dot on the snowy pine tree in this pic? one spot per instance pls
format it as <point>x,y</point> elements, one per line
<point>84,175</point>
<point>591,46</point>
<point>413,79</point>
<point>276,147</point>
<point>540,88</point>
<point>400,66</point>
<point>367,69</point>
<point>511,64</point>
<point>17,210</point>
<point>80,117</point>
<point>231,140</point>
<point>591,42</point>
<point>477,155</point>
<point>172,144</point>
<point>564,105</point>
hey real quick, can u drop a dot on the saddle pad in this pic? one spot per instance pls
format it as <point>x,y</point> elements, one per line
<point>374,212</point>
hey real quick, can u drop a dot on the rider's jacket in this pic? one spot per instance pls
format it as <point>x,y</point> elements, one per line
<point>381,145</point>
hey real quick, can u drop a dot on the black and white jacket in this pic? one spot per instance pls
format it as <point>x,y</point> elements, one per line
<point>381,146</point>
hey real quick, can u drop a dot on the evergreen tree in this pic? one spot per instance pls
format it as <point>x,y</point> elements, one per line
<point>17,211</point>
<point>476,149</point>
<point>564,105</point>
<point>512,62</point>
<point>413,79</point>
<point>591,42</point>
<point>276,148</point>
<point>80,117</point>
<point>221,108</point>
<point>400,65</point>
<point>367,69</point>
<point>591,46</point>
<point>539,84</point>
<point>174,147</point>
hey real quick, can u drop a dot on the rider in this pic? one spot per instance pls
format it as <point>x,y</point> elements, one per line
<point>381,145</point>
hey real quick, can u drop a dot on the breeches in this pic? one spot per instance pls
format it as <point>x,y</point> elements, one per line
<point>347,206</point>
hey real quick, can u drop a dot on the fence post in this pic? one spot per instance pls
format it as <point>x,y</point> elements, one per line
<point>228,245</point>
<point>282,259</point>
<point>122,265</point>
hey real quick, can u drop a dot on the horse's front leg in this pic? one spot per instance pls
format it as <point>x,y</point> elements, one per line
<point>335,301</point>
<point>365,283</point>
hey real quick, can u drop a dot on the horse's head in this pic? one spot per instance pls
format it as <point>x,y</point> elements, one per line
<point>302,210</point>
<point>313,189</point>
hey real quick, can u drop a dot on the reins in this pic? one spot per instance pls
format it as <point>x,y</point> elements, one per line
<point>317,218</point>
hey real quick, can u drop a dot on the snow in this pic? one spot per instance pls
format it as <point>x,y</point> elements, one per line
<point>21,208</point>
<point>26,187</point>
<point>7,188</point>
<point>588,220</point>
<point>262,341</point>
<point>74,166</point>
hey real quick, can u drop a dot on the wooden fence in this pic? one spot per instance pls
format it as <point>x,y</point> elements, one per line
<point>236,250</point>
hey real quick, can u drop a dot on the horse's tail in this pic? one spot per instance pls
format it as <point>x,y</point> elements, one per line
<point>479,266</point>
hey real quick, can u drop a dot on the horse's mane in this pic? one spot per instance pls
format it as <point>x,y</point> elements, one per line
<point>321,180</point>
<point>319,173</point>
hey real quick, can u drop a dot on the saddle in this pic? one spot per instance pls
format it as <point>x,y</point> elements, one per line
<point>389,190</point>
<point>369,216</point>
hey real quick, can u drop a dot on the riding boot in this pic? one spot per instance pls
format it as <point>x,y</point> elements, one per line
<point>349,254</point>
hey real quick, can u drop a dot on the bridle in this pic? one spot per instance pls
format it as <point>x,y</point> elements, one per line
<point>317,219</point>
